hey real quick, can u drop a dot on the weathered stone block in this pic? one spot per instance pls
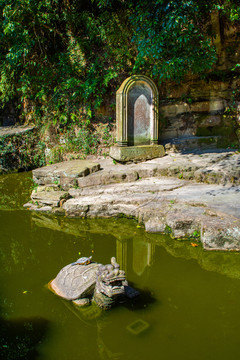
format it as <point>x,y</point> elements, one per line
<point>94,180</point>
<point>220,234</point>
<point>173,110</point>
<point>136,153</point>
<point>52,198</point>
<point>50,187</point>
<point>67,182</point>
<point>74,208</point>
<point>108,177</point>
<point>211,106</point>
<point>65,172</point>
<point>210,120</point>
<point>182,224</point>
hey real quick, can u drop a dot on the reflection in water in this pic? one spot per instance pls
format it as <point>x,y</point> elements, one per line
<point>15,189</point>
<point>110,347</point>
<point>142,254</point>
<point>136,248</point>
<point>121,253</point>
<point>185,311</point>
<point>96,318</point>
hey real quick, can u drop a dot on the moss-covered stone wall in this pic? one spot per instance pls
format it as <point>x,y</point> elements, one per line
<point>20,149</point>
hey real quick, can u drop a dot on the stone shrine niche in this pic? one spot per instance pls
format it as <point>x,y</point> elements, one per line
<point>137,112</point>
<point>137,120</point>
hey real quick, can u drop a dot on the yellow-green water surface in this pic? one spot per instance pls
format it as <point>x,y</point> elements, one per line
<point>189,307</point>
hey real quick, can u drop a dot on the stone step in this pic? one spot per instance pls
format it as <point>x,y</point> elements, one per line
<point>105,177</point>
<point>64,173</point>
<point>212,167</point>
<point>53,198</point>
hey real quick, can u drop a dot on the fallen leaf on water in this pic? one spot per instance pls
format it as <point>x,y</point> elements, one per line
<point>194,244</point>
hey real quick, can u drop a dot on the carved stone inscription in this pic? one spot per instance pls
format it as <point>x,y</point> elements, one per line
<point>139,114</point>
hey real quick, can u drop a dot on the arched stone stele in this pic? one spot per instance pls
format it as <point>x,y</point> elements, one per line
<point>137,121</point>
<point>137,112</point>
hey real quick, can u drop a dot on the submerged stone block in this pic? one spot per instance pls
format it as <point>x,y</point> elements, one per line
<point>138,326</point>
<point>136,153</point>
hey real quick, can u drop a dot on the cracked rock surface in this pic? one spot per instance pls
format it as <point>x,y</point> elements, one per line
<point>162,193</point>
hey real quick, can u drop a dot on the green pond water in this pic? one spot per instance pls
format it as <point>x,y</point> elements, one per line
<point>189,307</point>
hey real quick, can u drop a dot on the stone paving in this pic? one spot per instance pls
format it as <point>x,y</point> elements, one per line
<point>182,194</point>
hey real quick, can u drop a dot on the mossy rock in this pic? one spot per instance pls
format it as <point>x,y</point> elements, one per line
<point>215,130</point>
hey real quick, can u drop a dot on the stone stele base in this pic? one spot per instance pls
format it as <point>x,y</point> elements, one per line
<point>136,153</point>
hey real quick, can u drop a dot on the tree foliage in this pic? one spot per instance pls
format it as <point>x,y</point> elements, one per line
<point>67,55</point>
<point>173,38</point>
<point>60,55</point>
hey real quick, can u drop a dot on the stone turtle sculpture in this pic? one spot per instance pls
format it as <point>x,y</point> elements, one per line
<point>84,281</point>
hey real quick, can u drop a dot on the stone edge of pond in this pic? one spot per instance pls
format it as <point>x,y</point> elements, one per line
<point>141,191</point>
<point>181,220</point>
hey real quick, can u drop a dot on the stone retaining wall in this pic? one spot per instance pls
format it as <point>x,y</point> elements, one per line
<point>20,149</point>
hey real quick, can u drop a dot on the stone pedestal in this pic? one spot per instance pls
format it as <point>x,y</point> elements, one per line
<point>136,153</point>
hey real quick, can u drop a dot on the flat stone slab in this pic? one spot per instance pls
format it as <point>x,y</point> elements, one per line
<point>164,204</point>
<point>212,167</point>
<point>220,198</point>
<point>160,194</point>
<point>106,176</point>
<point>51,198</point>
<point>12,130</point>
<point>64,173</point>
<point>136,153</point>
